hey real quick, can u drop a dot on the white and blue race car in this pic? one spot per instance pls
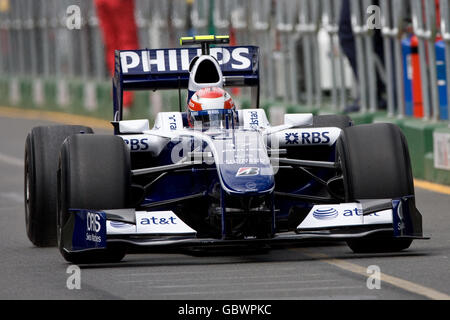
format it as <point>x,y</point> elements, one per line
<point>246,183</point>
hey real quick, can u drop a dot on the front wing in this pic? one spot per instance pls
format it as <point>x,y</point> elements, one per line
<point>94,229</point>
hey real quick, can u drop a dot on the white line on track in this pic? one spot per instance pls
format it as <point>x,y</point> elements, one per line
<point>11,160</point>
<point>13,196</point>
<point>394,281</point>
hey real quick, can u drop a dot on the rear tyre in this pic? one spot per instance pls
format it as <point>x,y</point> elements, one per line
<point>332,120</point>
<point>376,165</point>
<point>41,157</point>
<point>93,173</point>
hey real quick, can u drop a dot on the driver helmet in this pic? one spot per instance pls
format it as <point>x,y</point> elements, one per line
<point>213,107</point>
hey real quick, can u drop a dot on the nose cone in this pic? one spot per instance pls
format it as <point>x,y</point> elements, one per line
<point>242,162</point>
<point>251,179</point>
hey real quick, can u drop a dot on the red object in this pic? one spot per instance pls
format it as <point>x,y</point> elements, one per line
<point>209,99</point>
<point>236,91</point>
<point>416,79</point>
<point>438,14</point>
<point>118,25</point>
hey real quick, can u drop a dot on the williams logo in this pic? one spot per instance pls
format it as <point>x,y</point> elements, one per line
<point>325,213</point>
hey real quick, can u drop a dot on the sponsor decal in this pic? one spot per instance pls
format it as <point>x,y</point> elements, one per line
<point>247,171</point>
<point>345,214</point>
<point>172,122</point>
<point>250,185</point>
<point>160,222</point>
<point>176,60</point>
<point>89,230</point>
<point>118,224</point>
<point>254,119</point>
<point>331,213</point>
<point>291,138</point>
<point>93,227</point>
<point>315,137</point>
<point>307,137</point>
<point>357,212</point>
<point>169,121</point>
<point>325,213</point>
<point>136,144</point>
<point>118,227</point>
<point>401,226</point>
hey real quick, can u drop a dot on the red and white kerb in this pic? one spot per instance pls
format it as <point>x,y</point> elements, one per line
<point>209,99</point>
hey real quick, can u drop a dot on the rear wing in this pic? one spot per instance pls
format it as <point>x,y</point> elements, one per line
<point>155,69</point>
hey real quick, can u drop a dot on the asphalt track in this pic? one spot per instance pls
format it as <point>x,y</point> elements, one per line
<point>329,271</point>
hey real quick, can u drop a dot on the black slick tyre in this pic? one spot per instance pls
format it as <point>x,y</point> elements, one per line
<point>41,157</point>
<point>93,174</point>
<point>376,165</point>
<point>332,120</point>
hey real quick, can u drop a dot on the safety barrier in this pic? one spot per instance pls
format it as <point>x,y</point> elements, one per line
<point>52,57</point>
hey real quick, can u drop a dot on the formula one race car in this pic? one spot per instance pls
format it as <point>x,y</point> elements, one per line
<point>235,180</point>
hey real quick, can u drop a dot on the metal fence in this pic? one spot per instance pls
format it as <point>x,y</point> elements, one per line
<point>302,61</point>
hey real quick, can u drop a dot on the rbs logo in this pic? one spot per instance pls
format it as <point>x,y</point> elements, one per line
<point>137,144</point>
<point>93,222</point>
<point>307,137</point>
<point>315,137</point>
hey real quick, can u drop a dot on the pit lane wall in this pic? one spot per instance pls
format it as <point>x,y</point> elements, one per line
<point>428,140</point>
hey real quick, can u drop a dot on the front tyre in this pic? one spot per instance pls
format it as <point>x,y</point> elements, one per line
<point>94,174</point>
<point>379,245</point>
<point>376,165</point>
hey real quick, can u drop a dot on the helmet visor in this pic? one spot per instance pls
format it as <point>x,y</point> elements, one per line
<point>213,119</point>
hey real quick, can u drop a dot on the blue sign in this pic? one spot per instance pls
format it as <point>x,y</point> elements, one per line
<point>407,52</point>
<point>177,60</point>
<point>89,230</point>
<point>442,80</point>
